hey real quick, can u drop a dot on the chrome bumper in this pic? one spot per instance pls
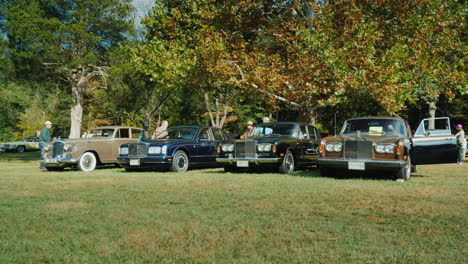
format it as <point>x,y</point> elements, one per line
<point>256,161</point>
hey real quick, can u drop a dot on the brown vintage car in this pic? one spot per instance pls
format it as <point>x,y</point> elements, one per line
<point>99,147</point>
<point>387,144</point>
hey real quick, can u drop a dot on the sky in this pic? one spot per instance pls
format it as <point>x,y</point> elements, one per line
<point>142,7</point>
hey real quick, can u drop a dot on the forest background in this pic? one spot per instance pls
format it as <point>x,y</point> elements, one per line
<point>83,63</point>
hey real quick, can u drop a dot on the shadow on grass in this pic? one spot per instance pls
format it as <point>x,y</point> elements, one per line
<point>19,157</point>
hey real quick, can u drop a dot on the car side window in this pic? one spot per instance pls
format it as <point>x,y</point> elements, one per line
<point>204,133</point>
<point>123,133</point>
<point>312,132</point>
<point>136,133</point>
<point>218,135</point>
<point>304,132</point>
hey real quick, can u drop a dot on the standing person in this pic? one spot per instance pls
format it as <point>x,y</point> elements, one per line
<point>460,143</point>
<point>159,130</point>
<point>248,130</point>
<point>45,137</point>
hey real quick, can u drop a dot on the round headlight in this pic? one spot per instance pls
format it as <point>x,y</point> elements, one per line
<point>389,148</point>
<point>123,151</point>
<point>338,147</point>
<point>66,147</point>
<point>228,147</point>
<point>265,147</point>
<point>380,148</point>
<point>154,150</point>
<point>329,147</point>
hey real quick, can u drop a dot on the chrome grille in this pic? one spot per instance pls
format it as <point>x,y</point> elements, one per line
<point>137,149</point>
<point>358,149</point>
<point>245,149</point>
<point>58,149</point>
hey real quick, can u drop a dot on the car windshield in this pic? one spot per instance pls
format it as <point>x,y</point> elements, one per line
<point>178,133</point>
<point>106,132</point>
<point>374,126</point>
<point>272,130</point>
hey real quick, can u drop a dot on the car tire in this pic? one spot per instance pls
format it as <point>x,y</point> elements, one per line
<point>87,162</point>
<point>287,166</point>
<point>405,172</point>
<point>20,149</point>
<point>180,162</point>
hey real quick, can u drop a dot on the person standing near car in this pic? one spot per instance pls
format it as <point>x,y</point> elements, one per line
<point>460,143</point>
<point>44,137</point>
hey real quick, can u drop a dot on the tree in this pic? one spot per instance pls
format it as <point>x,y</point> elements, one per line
<point>67,38</point>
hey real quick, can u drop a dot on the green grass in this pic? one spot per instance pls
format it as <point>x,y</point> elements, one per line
<point>207,216</point>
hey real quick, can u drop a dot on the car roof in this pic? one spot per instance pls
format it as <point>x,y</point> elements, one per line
<point>115,127</point>
<point>284,122</point>
<point>377,117</point>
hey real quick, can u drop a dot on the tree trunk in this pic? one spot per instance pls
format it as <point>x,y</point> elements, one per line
<point>432,114</point>
<point>76,117</point>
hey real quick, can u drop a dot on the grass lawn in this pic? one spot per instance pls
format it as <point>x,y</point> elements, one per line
<point>207,216</point>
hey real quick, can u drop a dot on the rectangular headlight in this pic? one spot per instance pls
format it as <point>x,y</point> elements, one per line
<point>154,150</point>
<point>123,151</point>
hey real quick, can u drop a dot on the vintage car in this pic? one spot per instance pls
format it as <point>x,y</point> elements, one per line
<point>177,149</point>
<point>387,144</point>
<point>100,147</point>
<point>283,146</point>
<point>27,143</point>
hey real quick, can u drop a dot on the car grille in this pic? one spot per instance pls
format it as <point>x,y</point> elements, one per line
<point>245,149</point>
<point>137,149</point>
<point>358,149</point>
<point>58,149</point>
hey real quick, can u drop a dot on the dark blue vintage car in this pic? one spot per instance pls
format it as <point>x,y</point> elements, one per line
<point>177,149</point>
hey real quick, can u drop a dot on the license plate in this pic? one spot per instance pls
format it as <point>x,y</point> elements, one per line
<point>50,160</point>
<point>242,163</point>
<point>353,165</point>
<point>134,162</point>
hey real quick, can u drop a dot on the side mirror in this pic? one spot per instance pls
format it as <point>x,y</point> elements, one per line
<point>324,134</point>
<point>427,133</point>
<point>145,139</point>
<point>203,138</point>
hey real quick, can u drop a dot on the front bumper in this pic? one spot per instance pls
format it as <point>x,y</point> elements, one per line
<point>8,147</point>
<point>145,162</point>
<point>256,161</point>
<point>58,162</point>
<point>369,164</point>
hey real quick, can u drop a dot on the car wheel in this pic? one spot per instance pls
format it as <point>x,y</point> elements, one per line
<point>20,149</point>
<point>87,162</point>
<point>287,166</point>
<point>180,162</point>
<point>405,172</point>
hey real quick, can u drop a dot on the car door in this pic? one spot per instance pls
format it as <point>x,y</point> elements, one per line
<point>308,144</point>
<point>206,147</point>
<point>433,142</point>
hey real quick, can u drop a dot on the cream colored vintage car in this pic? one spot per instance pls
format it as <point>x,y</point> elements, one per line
<point>99,147</point>
<point>27,143</point>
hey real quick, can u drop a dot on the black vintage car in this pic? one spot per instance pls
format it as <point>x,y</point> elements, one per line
<point>280,145</point>
<point>387,144</point>
<point>177,149</point>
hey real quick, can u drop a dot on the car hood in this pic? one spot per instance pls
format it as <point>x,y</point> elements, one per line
<point>364,137</point>
<point>168,141</point>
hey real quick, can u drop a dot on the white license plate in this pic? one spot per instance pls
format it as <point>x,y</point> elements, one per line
<point>354,165</point>
<point>50,160</point>
<point>242,163</point>
<point>134,162</point>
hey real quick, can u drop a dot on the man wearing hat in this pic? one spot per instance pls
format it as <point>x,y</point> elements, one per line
<point>45,134</point>
<point>461,144</point>
<point>44,137</point>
